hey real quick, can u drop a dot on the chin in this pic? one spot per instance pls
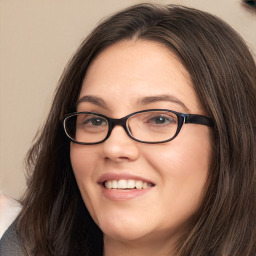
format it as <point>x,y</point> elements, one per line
<point>125,235</point>
<point>124,229</point>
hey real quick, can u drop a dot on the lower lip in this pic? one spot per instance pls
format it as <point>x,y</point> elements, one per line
<point>118,194</point>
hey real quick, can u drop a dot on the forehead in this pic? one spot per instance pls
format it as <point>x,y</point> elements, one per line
<point>131,69</point>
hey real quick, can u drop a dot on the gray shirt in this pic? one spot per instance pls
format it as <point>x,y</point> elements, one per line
<point>9,243</point>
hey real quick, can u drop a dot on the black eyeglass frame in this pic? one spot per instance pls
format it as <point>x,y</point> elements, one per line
<point>183,118</point>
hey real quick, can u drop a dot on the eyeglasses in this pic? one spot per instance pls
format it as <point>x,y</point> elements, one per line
<point>147,126</point>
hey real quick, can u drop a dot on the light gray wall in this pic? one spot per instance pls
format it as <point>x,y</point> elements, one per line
<point>37,39</point>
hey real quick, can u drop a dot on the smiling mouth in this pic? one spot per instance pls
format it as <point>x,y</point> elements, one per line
<point>127,184</point>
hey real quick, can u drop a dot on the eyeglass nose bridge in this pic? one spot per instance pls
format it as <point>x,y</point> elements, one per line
<point>121,122</point>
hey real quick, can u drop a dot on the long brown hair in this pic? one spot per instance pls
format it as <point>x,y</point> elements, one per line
<point>54,220</point>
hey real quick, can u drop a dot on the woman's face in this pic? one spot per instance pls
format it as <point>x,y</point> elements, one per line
<point>130,76</point>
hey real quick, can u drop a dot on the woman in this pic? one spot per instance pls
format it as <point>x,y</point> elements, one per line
<point>118,169</point>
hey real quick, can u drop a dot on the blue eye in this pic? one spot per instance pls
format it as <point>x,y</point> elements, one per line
<point>96,121</point>
<point>161,119</point>
<point>90,121</point>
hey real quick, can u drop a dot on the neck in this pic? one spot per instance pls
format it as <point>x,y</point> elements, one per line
<point>139,247</point>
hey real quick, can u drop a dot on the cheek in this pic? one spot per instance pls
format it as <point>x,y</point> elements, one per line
<point>183,165</point>
<point>79,163</point>
<point>182,159</point>
<point>81,168</point>
<point>83,161</point>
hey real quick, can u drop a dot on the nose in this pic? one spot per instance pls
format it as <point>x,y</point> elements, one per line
<point>119,146</point>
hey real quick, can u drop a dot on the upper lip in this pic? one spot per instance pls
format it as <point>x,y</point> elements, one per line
<point>121,176</point>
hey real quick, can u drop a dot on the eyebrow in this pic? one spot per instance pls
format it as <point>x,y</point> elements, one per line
<point>163,97</point>
<point>141,101</point>
<point>92,99</point>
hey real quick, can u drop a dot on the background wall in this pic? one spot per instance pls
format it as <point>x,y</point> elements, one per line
<point>36,40</point>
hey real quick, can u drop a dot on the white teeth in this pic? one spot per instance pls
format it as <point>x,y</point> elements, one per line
<point>114,184</point>
<point>130,183</point>
<point>145,185</point>
<point>126,184</point>
<point>122,184</point>
<point>108,184</point>
<point>139,184</point>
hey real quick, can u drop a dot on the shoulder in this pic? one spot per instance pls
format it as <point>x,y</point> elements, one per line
<point>9,209</point>
<point>9,243</point>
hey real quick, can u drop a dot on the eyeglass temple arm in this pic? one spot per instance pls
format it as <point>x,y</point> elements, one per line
<point>198,119</point>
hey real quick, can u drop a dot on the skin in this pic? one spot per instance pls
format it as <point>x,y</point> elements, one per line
<point>151,223</point>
